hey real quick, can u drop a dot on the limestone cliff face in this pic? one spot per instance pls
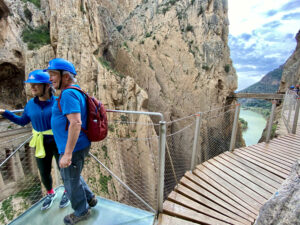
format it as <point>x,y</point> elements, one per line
<point>166,56</point>
<point>291,70</point>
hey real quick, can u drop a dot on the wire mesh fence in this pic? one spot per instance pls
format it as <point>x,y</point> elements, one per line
<point>125,166</point>
<point>289,109</point>
<point>130,152</point>
<point>178,152</point>
<point>213,139</point>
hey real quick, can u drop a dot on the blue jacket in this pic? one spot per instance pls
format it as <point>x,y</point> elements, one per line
<point>37,112</point>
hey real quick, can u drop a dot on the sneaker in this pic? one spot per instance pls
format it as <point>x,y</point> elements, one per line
<point>64,202</point>
<point>72,219</point>
<point>48,201</point>
<point>93,202</point>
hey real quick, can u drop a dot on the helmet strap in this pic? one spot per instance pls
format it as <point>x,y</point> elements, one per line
<point>44,90</point>
<point>60,82</point>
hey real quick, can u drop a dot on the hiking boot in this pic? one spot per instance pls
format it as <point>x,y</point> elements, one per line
<point>64,202</point>
<point>93,202</point>
<point>48,201</point>
<point>72,219</point>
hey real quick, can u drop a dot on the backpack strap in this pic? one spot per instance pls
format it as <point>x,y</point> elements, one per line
<point>59,98</point>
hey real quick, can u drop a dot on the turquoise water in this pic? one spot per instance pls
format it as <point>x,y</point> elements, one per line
<point>256,125</point>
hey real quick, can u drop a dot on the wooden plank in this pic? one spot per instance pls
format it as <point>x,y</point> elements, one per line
<point>286,147</point>
<point>255,167</point>
<point>273,150</point>
<point>292,148</point>
<point>275,185</point>
<point>189,214</point>
<point>222,180</point>
<point>164,219</point>
<point>262,165</point>
<point>273,154</point>
<point>245,172</point>
<point>291,137</point>
<point>198,197</point>
<point>260,194</point>
<point>267,156</point>
<point>278,169</point>
<point>226,196</point>
<point>281,167</point>
<point>187,202</point>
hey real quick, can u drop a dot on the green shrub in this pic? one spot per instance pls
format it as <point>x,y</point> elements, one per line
<point>189,28</point>
<point>148,34</point>
<point>205,67</point>
<point>7,208</point>
<point>244,124</point>
<point>119,28</point>
<point>37,3</point>
<point>164,10</point>
<point>28,14</point>
<point>227,68</point>
<point>36,38</point>
<point>104,182</point>
<point>104,63</point>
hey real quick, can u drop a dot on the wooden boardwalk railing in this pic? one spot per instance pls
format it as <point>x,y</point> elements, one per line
<point>231,188</point>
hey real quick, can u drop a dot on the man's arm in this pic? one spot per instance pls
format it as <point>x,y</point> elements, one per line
<point>73,134</point>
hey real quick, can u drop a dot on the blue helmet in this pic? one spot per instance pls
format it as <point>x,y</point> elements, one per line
<point>38,77</point>
<point>292,87</point>
<point>61,64</point>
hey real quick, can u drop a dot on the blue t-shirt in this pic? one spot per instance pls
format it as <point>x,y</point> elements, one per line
<point>72,101</point>
<point>37,112</point>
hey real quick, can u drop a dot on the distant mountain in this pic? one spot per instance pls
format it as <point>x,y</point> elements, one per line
<point>268,84</point>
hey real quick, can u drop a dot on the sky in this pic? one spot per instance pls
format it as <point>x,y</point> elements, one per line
<point>261,36</point>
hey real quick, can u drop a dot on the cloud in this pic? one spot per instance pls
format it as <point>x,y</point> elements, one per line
<point>246,37</point>
<point>290,5</point>
<point>271,13</point>
<point>261,39</point>
<point>291,16</point>
<point>272,25</point>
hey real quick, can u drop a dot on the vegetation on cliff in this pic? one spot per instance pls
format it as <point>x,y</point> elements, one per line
<point>244,124</point>
<point>36,37</point>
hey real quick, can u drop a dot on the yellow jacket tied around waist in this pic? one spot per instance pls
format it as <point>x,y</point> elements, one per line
<point>37,141</point>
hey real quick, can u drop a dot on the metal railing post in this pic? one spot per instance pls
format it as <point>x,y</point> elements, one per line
<point>162,147</point>
<point>234,127</point>
<point>269,130</point>
<point>295,122</point>
<point>290,106</point>
<point>196,135</point>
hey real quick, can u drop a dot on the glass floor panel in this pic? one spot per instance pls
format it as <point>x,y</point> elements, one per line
<point>106,212</point>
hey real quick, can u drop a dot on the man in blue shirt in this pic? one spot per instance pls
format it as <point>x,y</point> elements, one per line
<point>73,144</point>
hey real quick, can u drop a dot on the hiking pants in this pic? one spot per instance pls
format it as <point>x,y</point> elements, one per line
<point>45,164</point>
<point>77,190</point>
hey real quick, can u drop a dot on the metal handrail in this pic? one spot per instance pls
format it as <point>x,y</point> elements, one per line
<point>15,151</point>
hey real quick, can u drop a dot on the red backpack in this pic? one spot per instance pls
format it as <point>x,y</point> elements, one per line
<point>96,117</point>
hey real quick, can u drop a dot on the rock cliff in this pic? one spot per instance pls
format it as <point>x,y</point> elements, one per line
<point>291,70</point>
<point>168,56</point>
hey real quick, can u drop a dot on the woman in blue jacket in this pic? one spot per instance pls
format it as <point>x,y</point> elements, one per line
<point>38,111</point>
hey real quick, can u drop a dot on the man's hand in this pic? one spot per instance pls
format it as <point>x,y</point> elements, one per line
<point>65,161</point>
<point>2,111</point>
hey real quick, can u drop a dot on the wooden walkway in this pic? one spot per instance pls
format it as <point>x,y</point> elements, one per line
<point>231,188</point>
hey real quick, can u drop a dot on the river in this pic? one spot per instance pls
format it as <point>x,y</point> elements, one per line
<point>256,125</point>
